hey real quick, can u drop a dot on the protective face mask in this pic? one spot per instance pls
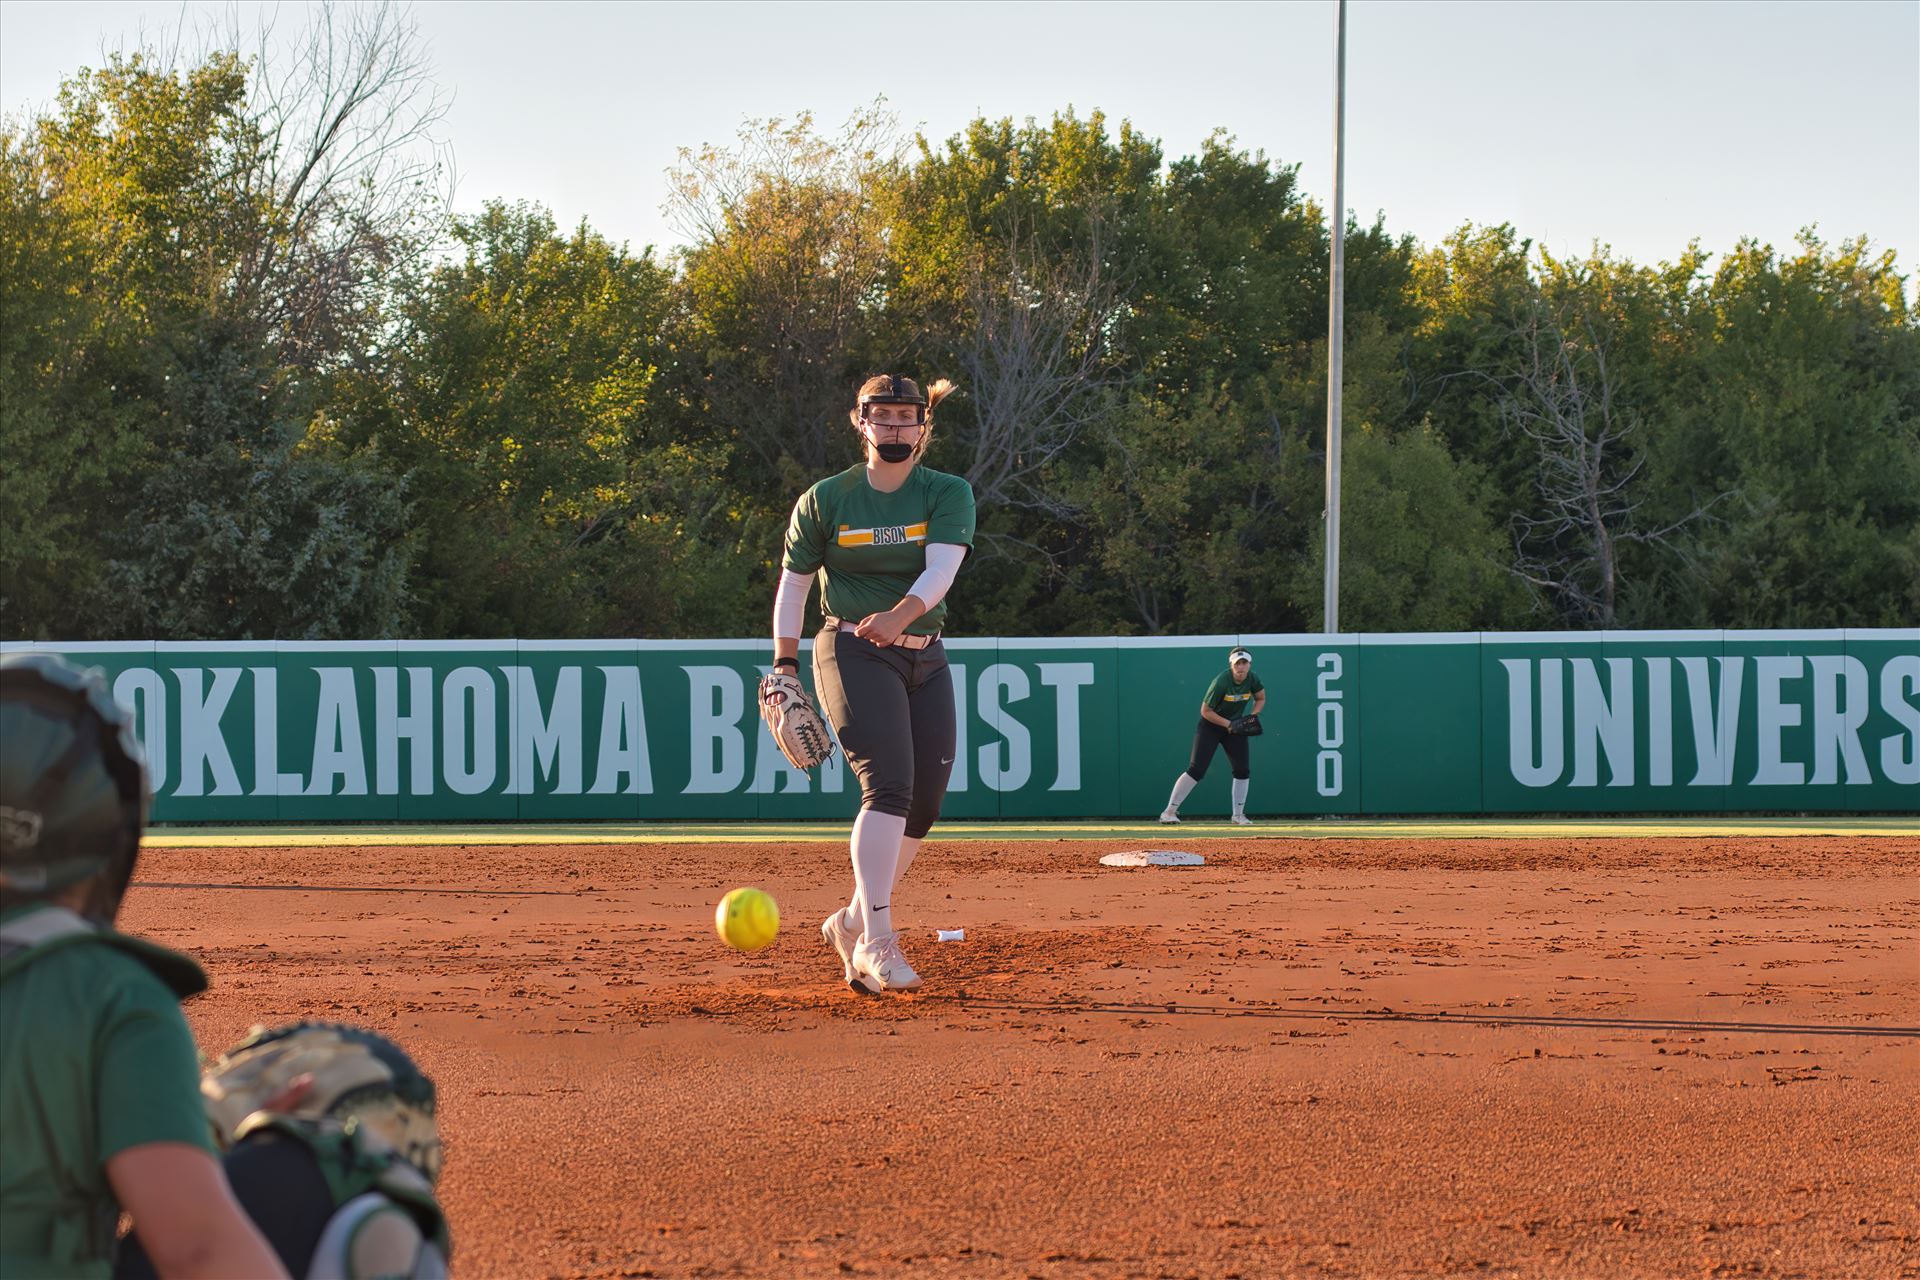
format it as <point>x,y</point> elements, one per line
<point>893,451</point>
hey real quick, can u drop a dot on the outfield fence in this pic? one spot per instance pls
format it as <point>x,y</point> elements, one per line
<point>659,730</point>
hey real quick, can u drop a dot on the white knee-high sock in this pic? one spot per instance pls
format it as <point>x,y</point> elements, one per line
<point>1182,787</point>
<point>1240,786</point>
<point>909,845</point>
<point>876,848</point>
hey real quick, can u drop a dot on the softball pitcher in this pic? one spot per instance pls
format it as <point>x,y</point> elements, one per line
<point>885,539</point>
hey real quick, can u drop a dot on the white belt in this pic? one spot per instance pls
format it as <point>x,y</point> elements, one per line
<point>902,641</point>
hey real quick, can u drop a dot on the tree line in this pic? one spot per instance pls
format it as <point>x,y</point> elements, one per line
<point>256,381</point>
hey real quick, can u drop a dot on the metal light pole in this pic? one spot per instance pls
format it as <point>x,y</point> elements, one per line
<point>1336,314</point>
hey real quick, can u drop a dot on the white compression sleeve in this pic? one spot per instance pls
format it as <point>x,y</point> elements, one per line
<point>789,602</point>
<point>943,562</point>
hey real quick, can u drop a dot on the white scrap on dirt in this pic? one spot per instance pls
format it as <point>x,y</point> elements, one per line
<point>1152,858</point>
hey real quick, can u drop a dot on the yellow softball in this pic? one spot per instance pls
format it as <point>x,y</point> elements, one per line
<point>747,919</point>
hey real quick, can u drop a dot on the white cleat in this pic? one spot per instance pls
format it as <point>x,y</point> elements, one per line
<point>1242,820</point>
<point>842,936</point>
<point>879,966</point>
<point>1169,817</point>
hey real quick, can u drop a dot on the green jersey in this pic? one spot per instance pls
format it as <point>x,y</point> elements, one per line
<point>1226,697</point>
<point>870,547</point>
<point>95,1059</point>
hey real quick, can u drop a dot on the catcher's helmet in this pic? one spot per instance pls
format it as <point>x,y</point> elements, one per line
<point>359,1077</point>
<point>73,782</point>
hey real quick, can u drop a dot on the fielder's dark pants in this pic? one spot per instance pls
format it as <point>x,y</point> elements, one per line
<point>1209,736</point>
<point>893,712</point>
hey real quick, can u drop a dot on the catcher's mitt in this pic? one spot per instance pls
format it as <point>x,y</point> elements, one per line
<point>1245,726</point>
<point>797,728</point>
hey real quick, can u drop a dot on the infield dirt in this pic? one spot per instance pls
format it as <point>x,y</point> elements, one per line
<point>1607,1057</point>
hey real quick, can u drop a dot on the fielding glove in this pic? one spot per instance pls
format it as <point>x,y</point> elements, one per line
<point>797,728</point>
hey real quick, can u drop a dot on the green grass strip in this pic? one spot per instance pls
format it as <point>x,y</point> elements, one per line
<point>1193,828</point>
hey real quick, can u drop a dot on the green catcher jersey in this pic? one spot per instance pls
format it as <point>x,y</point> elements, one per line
<point>95,1059</point>
<point>870,547</point>
<point>1227,697</point>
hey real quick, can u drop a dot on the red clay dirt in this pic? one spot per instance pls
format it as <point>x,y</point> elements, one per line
<point>1584,1058</point>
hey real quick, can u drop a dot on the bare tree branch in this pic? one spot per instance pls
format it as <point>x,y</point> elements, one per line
<point>1036,363</point>
<point>1565,401</point>
<point>347,179</point>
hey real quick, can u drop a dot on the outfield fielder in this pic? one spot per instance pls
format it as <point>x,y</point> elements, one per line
<point>885,538</point>
<point>1229,715</point>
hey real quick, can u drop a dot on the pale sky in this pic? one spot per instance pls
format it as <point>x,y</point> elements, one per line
<point>1643,125</point>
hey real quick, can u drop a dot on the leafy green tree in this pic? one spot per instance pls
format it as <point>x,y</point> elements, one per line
<point>67,438</point>
<point>553,497</point>
<point>778,293</point>
<point>1151,508</point>
<point>104,202</point>
<point>1016,251</point>
<point>1808,388</point>
<point>245,389</point>
<point>163,487</point>
<point>1418,551</point>
<point>1473,293</point>
<point>259,525</point>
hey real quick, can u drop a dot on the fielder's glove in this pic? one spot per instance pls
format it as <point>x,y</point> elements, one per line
<point>1245,726</point>
<point>797,728</point>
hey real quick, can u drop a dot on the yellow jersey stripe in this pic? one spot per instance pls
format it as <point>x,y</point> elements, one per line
<point>850,537</point>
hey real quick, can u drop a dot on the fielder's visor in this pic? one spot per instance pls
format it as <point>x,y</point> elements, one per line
<point>1240,655</point>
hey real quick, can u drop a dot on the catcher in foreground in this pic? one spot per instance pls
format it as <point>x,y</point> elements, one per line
<point>100,1110</point>
<point>332,1145</point>
<point>1229,715</point>
<point>885,538</point>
